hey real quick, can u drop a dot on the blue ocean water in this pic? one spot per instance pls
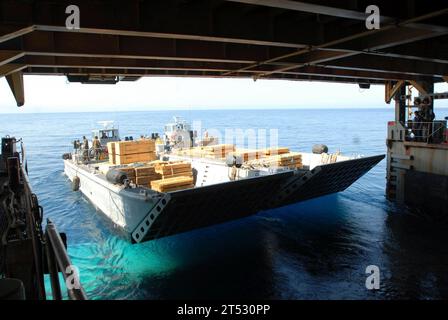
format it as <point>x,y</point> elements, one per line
<point>317,249</point>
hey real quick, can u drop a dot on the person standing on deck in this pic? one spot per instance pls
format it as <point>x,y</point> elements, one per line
<point>96,145</point>
<point>85,148</point>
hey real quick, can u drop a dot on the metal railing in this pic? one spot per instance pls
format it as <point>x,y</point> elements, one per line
<point>58,260</point>
<point>427,132</point>
<point>91,155</point>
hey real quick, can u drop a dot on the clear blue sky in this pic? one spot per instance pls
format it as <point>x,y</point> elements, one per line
<point>55,94</point>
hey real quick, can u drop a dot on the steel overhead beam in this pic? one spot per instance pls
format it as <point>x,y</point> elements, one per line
<point>182,73</point>
<point>405,56</point>
<point>307,7</point>
<point>340,56</point>
<point>434,49</point>
<point>332,11</point>
<point>352,38</point>
<point>159,35</point>
<point>385,64</point>
<point>131,56</point>
<point>383,40</point>
<point>9,32</point>
<point>8,69</point>
<point>39,38</point>
<point>7,56</point>
<point>359,74</point>
<point>321,58</point>
<point>73,43</point>
<point>131,64</point>
<point>354,48</point>
<point>78,62</point>
<point>368,43</point>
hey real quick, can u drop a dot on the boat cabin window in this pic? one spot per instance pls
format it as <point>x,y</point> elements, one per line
<point>106,134</point>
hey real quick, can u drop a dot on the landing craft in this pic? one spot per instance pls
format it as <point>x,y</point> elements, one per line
<point>160,186</point>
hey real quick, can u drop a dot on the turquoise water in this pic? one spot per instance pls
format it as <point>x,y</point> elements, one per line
<point>315,249</point>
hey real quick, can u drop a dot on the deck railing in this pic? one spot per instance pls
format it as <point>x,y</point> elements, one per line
<point>58,260</point>
<point>427,132</point>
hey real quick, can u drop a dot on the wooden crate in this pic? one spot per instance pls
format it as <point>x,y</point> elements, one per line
<point>112,159</point>
<point>134,147</point>
<point>111,148</point>
<point>133,158</point>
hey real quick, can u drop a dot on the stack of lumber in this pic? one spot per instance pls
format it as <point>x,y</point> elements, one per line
<point>291,160</point>
<point>211,152</point>
<point>145,175</point>
<point>172,184</point>
<point>190,152</point>
<point>219,151</point>
<point>248,154</point>
<point>130,172</point>
<point>126,152</point>
<point>276,151</point>
<point>174,169</point>
<point>208,141</point>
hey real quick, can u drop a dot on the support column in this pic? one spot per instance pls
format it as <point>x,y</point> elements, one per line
<point>400,105</point>
<point>395,151</point>
<point>428,88</point>
<point>15,81</point>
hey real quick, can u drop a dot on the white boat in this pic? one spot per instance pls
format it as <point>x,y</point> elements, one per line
<point>221,192</point>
